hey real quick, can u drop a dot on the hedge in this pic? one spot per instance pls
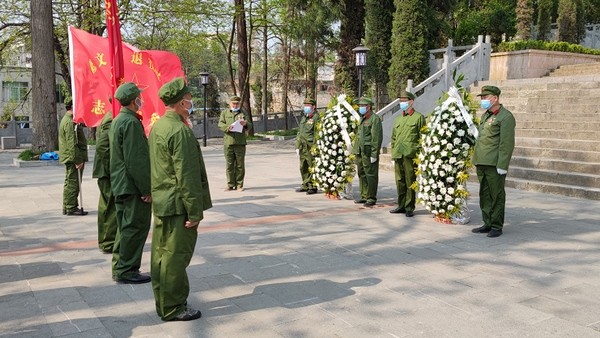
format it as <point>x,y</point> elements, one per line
<point>544,45</point>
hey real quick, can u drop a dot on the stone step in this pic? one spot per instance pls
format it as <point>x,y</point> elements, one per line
<point>558,134</point>
<point>526,122</point>
<point>553,176</point>
<point>552,90</point>
<point>567,155</point>
<point>556,165</point>
<point>553,188</point>
<point>555,112</point>
<point>589,65</point>
<point>540,82</point>
<point>558,144</point>
<point>581,69</point>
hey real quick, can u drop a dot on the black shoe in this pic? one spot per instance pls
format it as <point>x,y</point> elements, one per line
<point>360,201</point>
<point>311,191</point>
<point>301,190</point>
<point>187,314</point>
<point>494,233</point>
<point>135,279</point>
<point>77,212</point>
<point>369,204</point>
<point>398,210</point>
<point>481,230</point>
<point>229,188</point>
<point>410,213</point>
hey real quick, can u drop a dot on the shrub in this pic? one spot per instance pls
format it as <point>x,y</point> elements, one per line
<point>556,46</point>
<point>29,155</point>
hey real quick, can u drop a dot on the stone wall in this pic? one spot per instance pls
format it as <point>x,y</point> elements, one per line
<point>532,63</point>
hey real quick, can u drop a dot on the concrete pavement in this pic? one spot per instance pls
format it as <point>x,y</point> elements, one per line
<point>271,262</point>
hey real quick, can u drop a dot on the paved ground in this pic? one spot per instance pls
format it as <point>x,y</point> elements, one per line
<point>271,262</point>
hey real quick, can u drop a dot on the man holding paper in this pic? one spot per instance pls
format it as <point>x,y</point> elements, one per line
<point>234,123</point>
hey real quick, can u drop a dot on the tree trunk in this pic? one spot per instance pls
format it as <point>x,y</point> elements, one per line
<point>43,80</point>
<point>243,54</point>
<point>286,78</point>
<point>352,30</point>
<point>311,71</point>
<point>265,69</point>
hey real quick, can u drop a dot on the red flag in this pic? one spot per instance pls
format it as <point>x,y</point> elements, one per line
<point>92,80</point>
<point>113,27</point>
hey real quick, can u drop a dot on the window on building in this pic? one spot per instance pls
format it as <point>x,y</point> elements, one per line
<point>14,91</point>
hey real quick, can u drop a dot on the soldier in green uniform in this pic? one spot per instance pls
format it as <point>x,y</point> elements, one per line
<point>406,134</point>
<point>235,143</point>
<point>367,145</point>
<point>180,195</point>
<point>107,212</point>
<point>491,157</point>
<point>73,154</point>
<point>304,142</point>
<point>130,184</point>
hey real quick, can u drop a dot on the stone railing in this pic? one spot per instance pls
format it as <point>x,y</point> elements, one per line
<point>474,64</point>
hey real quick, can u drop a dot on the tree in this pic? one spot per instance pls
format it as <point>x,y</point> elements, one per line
<point>352,30</point>
<point>567,21</point>
<point>378,18</point>
<point>243,55</point>
<point>524,14</point>
<point>490,17</point>
<point>544,19</point>
<point>410,57</point>
<point>45,130</point>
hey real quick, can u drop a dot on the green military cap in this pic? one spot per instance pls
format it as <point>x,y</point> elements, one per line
<point>310,101</point>
<point>173,91</point>
<point>235,99</point>
<point>365,101</point>
<point>406,95</point>
<point>490,90</point>
<point>127,92</point>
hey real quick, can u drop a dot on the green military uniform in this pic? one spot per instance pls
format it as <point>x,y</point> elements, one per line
<point>130,180</point>
<point>73,150</point>
<point>367,145</point>
<point>180,192</point>
<point>493,151</point>
<point>234,147</point>
<point>305,139</point>
<point>107,212</point>
<point>406,135</point>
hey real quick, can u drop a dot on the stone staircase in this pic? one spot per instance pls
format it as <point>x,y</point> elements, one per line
<point>557,146</point>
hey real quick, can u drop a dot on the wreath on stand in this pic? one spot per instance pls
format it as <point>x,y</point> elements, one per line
<point>334,162</point>
<point>445,157</point>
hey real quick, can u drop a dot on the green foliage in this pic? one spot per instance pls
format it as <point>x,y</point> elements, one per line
<point>524,18</point>
<point>567,21</point>
<point>544,19</point>
<point>29,155</point>
<point>496,18</point>
<point>378,31</point>
<point>542,45</point>
<point>352,30</point>
<point>410,57</point>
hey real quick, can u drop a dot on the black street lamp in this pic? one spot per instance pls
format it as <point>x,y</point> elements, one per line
<point>204,83</point>
<point>360,54</point>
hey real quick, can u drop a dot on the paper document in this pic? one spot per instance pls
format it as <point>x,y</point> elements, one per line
<point>237,127</point>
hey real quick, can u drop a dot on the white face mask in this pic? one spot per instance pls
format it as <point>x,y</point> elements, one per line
<point>139,103</point>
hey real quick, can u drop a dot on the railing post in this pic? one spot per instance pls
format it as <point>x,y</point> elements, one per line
<point>409,86</point>
<point>487,57</point>
<point>448,59</point>
<point>480,58</point>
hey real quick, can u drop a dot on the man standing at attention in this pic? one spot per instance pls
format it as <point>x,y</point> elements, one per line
<point>73,154</point>
<point>234,142</point>
<point>492,154</point>
<point>367,145</point>
<point>406,135</point>
<point>180,195</point>
<point>305,140</point>
<point>107,212</point>
<point>130,183</point>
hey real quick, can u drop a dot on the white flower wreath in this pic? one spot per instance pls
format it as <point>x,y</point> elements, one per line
<point>444,158</point>
<point>334,162</point>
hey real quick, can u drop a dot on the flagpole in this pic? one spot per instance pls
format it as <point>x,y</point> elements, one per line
<point>115,46</point>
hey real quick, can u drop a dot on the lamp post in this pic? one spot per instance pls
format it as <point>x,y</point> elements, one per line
<point>204,83</point>
<point>360,54</point>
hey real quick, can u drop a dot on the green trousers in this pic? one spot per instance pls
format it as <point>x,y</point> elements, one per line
<point>235,165</point>
<point>404,170</point>
<point>107,216</point>
<point>71,188</point>
<point>306,162</point>
<point>368,177</point>
<point>492,198</point>
<point>133,225</point>
<point>172,249</point>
